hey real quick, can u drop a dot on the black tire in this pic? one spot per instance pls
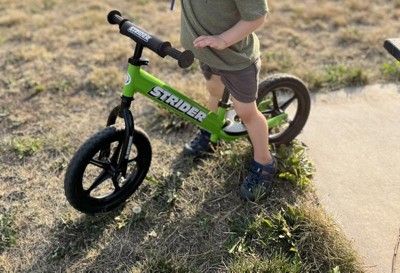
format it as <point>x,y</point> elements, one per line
<point>89,165</point>
<point>292,97</point>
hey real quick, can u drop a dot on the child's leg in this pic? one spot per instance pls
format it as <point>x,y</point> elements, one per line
<point>259,180</point>
<point>257,128</point>
<point>215,89</point>
<point>200,143</point>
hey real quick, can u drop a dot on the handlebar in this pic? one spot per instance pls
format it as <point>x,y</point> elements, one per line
<point>393,47</point>
<point>127,28</point>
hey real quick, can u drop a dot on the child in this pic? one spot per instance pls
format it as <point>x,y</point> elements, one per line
<point>221,35</point>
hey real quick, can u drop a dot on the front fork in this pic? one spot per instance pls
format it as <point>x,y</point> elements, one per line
<point>123,111</point>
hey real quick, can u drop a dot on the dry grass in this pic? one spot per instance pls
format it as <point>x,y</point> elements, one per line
<point>62,68</point>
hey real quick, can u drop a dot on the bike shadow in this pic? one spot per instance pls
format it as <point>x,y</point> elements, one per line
<point>188,218</point>
<point>179,220</point>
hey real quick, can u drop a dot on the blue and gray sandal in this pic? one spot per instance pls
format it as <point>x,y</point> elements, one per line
<point>259,181</point>
<point>199,145</point>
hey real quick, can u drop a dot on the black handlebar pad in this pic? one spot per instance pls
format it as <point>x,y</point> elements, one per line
<point>127,28</point>
<point>393,47</point>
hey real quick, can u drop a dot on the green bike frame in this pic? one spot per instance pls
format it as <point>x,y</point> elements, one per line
<point>139,81</point>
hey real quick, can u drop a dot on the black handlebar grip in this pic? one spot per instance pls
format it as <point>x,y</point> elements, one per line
<point>114,17</point>
<point>127,28</point>
<point>393,47</point>
<point>185,59</point>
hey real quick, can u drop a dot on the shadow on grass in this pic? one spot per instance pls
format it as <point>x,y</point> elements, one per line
<point>188,222</point>
<point>72,241</point>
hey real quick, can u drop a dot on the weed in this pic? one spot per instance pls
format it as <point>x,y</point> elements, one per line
<point>124,219</point>
<point>167,193</point>
<point>275,62</point>
<point>269,236</point>
<point>391,70</point>
<point>313,78</point>
<point>7,229</point>
<point>294,165</point>
<point>339,76</point>
<point>252,263</point>
<point>39,89</point>
<point>27,146</point>
<point>263,233</point>
<point>336,269</point>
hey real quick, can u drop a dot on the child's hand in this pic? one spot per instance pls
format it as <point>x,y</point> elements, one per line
<point>215,41</point>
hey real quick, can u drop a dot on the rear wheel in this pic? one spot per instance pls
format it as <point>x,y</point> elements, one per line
<point>93,183</point>
<point>283,93</point>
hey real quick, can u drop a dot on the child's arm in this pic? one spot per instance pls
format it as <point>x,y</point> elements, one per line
<point>233,35</point>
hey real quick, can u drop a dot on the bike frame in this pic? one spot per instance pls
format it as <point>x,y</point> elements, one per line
<point>139,81</point>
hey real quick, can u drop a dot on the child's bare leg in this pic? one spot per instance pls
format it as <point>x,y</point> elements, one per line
<point>215,88</point>
<point>200,143</point>
<point>254,121</point>
<point>257,128</point>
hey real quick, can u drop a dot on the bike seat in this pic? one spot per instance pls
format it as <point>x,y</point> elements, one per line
<point>393,47</point>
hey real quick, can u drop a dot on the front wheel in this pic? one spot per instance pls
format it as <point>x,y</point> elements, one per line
<point>284,94</point>
<point>92,182</point>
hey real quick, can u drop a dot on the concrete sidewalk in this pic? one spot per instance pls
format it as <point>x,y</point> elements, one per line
<point>353,136</point>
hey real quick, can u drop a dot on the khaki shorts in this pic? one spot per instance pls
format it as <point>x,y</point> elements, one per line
<point>241,84</point>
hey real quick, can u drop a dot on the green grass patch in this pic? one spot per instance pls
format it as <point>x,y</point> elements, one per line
<point>276,62</point>
<point>391,71</point>
<point>303,237</point>
<point>294,165</point>
<point>27,146</point>
<point>7,229</point>
<point>252,263</point>
<point>339,76</point>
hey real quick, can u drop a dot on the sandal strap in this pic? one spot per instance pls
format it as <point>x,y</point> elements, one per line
<point>268,170</point>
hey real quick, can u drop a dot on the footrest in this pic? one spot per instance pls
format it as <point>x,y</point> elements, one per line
<point>393,47</point>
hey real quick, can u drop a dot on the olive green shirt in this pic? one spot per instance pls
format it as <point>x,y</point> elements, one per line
<point>213,17</point>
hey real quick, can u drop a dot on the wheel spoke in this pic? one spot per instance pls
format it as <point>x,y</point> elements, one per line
<point>100,179</point>
<point>99,163</point>
<point>275,100</point>
<point>287,103</point>
<point>268,112</point>
<point>116,185</point>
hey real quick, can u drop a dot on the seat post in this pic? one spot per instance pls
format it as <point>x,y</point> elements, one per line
<point>224,102</point>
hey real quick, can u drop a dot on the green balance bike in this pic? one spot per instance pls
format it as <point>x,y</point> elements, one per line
<point>110,166</point>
